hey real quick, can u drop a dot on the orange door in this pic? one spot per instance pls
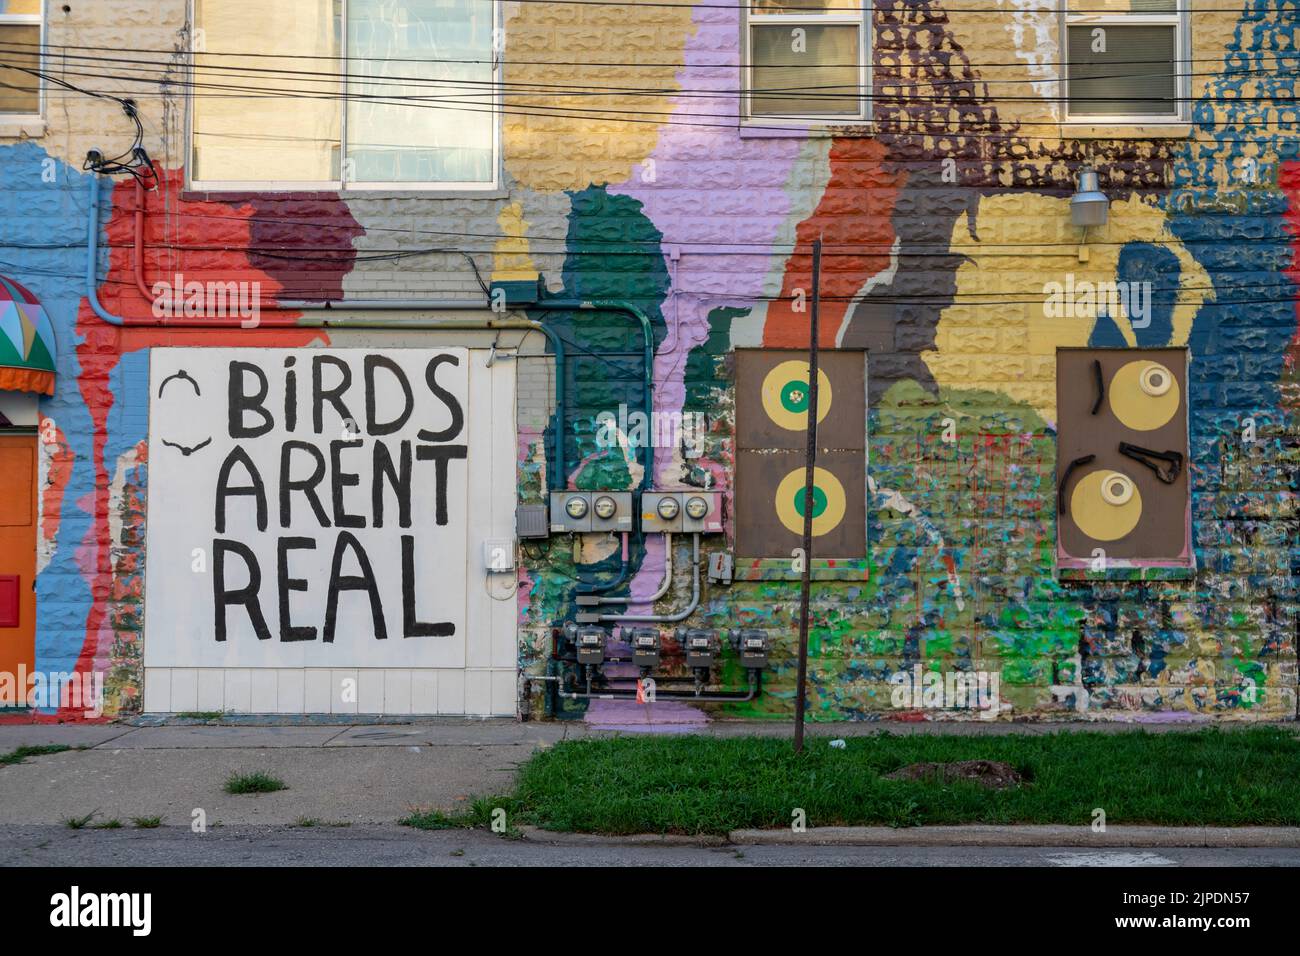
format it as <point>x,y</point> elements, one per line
<point>17,552</point>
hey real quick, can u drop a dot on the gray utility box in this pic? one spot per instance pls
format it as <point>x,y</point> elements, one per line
<point>645,647</point>
<point>583,511</point>
<point>590,644</point>
<point>570,511</point>
<point>531,521</point>
<point>753,647</point>
<point>702,511</point>
<point>611,511</point>
<point>686,511</point>
<point>701,646</point>
<point>661,511</point>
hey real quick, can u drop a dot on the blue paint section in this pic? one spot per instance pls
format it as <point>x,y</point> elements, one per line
<point>43,206</point>
<point>1226,207</point>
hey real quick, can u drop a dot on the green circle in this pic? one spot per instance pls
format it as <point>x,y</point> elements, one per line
<point>794,396</point>
<point>819,501</point>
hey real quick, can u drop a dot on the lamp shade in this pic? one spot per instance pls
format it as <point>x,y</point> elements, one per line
<point>1089,205</point>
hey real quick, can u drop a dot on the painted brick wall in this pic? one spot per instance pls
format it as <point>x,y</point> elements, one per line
<point>958,174</point>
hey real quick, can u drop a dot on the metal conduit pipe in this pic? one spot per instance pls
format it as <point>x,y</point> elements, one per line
<point>755,688</point>
<point>284,321</point>
<point>664,585</point>
<point>679,615</point>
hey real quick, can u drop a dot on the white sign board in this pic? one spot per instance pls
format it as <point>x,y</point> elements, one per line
<point>307,508</point>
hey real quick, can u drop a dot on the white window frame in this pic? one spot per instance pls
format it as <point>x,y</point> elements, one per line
<point>862,18</point>
<point>344,185</point>
<point>27,20</point>
<point>1180,19</point>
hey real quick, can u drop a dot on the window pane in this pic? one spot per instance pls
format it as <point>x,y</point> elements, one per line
<point>761,7</point>
<point>408,50</point>
<point>805,70</point>
<point>251,125</point>
<point>19,92</point>
<point>1136,75</point>
<point>1107,7</point>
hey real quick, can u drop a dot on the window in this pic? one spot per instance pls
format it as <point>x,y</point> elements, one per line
<point>807,61</point>
<point>1127,64</point>
<point>327,94</point>
<point>20,50</point>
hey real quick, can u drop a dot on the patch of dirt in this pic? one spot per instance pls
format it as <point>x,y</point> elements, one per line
<point>992,774</point>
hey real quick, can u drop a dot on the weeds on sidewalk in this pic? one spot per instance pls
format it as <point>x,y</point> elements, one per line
<point>22,753</point>
<point>146,823</point>
<point>79,823</point>
<point>256,782</point>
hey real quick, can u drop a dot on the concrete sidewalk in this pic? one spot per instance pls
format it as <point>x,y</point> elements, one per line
<point>360,773</point>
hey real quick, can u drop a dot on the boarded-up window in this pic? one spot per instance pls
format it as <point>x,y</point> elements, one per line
<point>1122,482</point>
<point>771,441</point>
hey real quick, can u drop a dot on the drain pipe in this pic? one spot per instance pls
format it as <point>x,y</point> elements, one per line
<point>679,615</point>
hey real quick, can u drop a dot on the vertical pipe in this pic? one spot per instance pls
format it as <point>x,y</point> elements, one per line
<point>809,467</point>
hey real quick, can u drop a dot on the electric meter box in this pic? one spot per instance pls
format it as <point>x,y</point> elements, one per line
<point>702,511</point>
<point>661,511</point>
<point>570,511</point>
<point>645,647</point>
<point>701,646</point>
<point>605,519</point>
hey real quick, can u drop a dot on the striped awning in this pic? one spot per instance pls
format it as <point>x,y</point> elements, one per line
<point>27,348</point>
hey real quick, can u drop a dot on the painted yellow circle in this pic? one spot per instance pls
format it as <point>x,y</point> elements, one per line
<point>1135,406</point>
<point>829,501</point>
<point>785,395</point>
<point>1097,517</point>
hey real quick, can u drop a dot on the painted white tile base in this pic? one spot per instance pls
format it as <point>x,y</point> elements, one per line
<point>472,692</point>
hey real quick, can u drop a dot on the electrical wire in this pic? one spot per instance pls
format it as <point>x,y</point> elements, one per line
<point>670,117</point>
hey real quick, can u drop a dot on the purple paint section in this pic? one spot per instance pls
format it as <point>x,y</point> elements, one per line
<point>661,717</point>
<point>710,185</point>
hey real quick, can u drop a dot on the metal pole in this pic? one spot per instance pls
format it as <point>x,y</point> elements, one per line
<point>809,465</point>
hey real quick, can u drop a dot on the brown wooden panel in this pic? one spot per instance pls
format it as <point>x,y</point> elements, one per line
<point>765,487</point>
<point>1160,530</point>
<point>845,423</point>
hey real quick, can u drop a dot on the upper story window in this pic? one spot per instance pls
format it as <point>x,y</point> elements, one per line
<point>807,61</point>
<point>1125,60</point>
<point>20,50</point>
<point>357,94</point>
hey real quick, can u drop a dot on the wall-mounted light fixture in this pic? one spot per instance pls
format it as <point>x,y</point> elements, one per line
<point>1089,205</point>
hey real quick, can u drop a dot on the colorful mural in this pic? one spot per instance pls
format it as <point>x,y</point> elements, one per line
<point>629,182</point>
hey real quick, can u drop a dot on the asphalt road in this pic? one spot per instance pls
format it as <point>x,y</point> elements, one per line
<point>389,845</point>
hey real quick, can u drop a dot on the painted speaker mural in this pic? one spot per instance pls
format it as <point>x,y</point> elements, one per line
<point>1122,482</point>
<point>772,403</point>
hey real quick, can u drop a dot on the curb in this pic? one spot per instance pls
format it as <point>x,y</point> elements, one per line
<point>949,836</point>
<point>1041,836</point>
<point>558,838</point>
